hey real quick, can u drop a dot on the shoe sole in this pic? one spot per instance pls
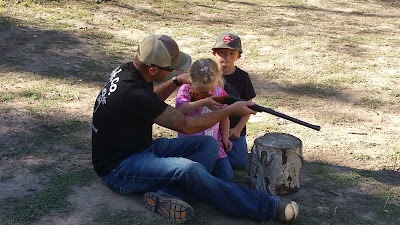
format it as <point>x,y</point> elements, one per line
<point>172,209</point>
<point>288,212</point>
<point>295,211</point>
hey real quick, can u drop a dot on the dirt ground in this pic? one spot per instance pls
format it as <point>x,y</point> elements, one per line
<point>356,134</point>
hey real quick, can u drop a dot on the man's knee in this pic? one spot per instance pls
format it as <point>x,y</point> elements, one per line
<point>190,168</point>
<point>208,143</point>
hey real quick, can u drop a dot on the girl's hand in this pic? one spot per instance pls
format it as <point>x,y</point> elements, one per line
<point>227,144</point>
<point>211,104</point>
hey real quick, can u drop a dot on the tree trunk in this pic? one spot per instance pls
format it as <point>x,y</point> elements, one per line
<point>275,162</point>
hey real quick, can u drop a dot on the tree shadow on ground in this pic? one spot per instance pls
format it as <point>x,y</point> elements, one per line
<point>308,89</point>
<point>322,200</point>
<point>344,195</point>
<point>49,53</point>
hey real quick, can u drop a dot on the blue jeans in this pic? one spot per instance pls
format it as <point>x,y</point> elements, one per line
<point>238,156</point>
<point>182,167</point>
<point>223,169</point>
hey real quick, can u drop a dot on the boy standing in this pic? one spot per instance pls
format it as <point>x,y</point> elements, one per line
<point>227,49</point>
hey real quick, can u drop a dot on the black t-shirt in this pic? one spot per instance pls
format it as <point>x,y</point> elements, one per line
<point>123,116</point>
<point>238,84</point>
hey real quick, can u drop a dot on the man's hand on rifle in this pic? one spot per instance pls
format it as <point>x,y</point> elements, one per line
<point>240,108</point>
<point>232,100</point>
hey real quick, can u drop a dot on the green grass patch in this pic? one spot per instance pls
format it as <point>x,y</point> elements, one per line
<point>346,178</point>
<point>56,129</point>
<point>269,101</point>
<point>78,142</point>
<point>278,72</point>
<point>31,94</point>
<point>63,132</point>
<point>46,134</point>
<point>314,89</point>
<point>370,102</point>
<point>17,152</point>
<point>349,79</point>
<point>4,178</point>
<point>35,111</point>
<point>30,208</point>
<point>361,157</point>
<point>6,97</point>
<point>319,169</point>
<point>394,157</point>
<point>395,94</point>
<point>44,94</point>
<point>42,168</point>
<point>259,129</point>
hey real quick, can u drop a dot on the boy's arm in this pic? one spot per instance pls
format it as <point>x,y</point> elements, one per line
<point>235,132</point>
<point>224,128</point>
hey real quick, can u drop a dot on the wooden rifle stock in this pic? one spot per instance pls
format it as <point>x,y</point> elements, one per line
<point>231,99</point>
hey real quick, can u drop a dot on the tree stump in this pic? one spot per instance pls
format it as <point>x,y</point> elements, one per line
<point>275,162</point>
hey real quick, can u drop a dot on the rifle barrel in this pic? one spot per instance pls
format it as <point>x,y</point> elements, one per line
<point>259,108</point>
<point>231,99</point>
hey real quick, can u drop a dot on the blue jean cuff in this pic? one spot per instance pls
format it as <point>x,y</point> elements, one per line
<point>275,211</point>
<point>164,193</point>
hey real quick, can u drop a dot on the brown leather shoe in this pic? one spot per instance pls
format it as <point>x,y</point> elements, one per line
<point>287,212</point>
<point>171,208</point>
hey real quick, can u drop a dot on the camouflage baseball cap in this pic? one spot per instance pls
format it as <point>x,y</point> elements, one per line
<point>228,40</point>
<point>162,51</point>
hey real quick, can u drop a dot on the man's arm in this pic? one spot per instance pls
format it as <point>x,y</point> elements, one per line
<point>165,89</point>
<point>173,119</point>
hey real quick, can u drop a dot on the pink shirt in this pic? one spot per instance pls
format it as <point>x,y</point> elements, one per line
<point>183,96</point>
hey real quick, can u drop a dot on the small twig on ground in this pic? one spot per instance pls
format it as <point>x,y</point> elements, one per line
<point>384,207</point>
<point>334,216</point>
<point>359,133</point>
<point>60,170</point>
<point>335,193</point>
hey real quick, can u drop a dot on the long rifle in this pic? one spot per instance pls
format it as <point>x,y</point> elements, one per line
<point>232,99</point>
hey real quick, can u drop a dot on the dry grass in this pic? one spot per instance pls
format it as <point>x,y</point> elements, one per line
<point>331,63</point>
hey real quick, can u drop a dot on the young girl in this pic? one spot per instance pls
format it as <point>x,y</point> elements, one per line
<point>207,79</point>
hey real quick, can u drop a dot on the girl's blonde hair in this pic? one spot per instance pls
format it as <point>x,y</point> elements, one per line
<point>205,71</point>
